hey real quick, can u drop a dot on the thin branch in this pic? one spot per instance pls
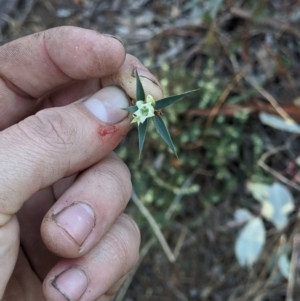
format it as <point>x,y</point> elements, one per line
<point>8,19</point>
<point>154,227</point>
<point>293,268</point>
<point>180,242</point>
<point>271,100</point>
<point>265,21</point>
<point>24,14</point>
<point>124,288</point>
<point>179,195</point>
<point>262,163</point>
<point>222,99</point>
<point>263,92</point>
<point>176,292</point>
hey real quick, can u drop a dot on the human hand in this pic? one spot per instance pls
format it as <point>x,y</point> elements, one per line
<point>57,169</point>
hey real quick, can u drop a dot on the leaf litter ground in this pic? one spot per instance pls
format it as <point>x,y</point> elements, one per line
<point>221,50</point>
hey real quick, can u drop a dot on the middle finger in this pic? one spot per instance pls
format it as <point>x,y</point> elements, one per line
<point>87,210</point>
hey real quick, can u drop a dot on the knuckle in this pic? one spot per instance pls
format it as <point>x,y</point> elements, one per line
<point>48,128</point>
<point>118,180</point>
<point>130,224</point>
<point>122,244</point>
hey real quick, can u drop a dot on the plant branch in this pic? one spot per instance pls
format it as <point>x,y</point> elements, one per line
<point>154,227</point>
<point>293,268</point>
<point>222,99</point>
<point>262,163</point>
<point>276,24</point>
<point>123,289</point>
<point>271,100</point>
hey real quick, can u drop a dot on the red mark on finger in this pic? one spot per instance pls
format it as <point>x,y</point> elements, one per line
<point>104,130</point>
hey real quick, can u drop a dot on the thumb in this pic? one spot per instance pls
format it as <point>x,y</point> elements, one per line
<point>56,143</point>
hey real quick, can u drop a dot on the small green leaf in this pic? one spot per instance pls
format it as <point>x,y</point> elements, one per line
<point>140,93</point>
<point>163,131</point>
<point>131,109</point>
<point>164,102</point>
<point>142,134</point>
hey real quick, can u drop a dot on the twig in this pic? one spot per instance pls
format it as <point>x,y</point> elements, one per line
<point>16,24</point>
<point>49,6</point>
<point>271,100</point>
<point>253,106</point>
<point>276,24</point>
<point>272,274</point>
<point>9,20</point>
<point>7,8</point>
<point>161,183</point>
<point>27,9</point>
<point>281,112</point>
<point>293,268</point>
<point>261,163</point>
<point>180,242</point>
<point>123,289</point>
<point>222,98</point>
<point>263,92</point>
<point>176,292</point>
<point>154,227</point>
<point>179,195</point>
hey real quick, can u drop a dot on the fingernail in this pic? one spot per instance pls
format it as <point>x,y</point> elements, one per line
<point>77,220</point>
<point>146,74</point>
<point>114,37</point>
<point>71,283</point>
<point>107,105</point>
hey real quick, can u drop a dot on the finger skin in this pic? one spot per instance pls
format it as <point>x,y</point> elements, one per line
<point>114,256</point>
<point>37,64</point>
<point>68,93</point>
<point>28,69</point>
<point>106,188</point>
<point>9,246</point>
<point>51,145</point>
<point>125,78</point>
<point>30,217</point>
<point>36,156</point>
<point>24,283</point>
<point>56,143</point>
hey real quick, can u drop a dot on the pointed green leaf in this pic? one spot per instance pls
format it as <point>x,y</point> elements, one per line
<point>140,94</point>
<point>131,109</point>
<point>163,131</point>
<point>142,134</point>
<point>162,103</point>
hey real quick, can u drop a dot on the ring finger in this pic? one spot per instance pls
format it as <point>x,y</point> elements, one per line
<point>93,275</point>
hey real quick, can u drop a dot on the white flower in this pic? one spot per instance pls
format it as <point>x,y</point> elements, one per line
<point>151,100</point>
<point>145,110</point>
<point>136,119</point>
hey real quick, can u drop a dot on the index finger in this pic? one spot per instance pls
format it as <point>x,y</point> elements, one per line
<point>36,64</point>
